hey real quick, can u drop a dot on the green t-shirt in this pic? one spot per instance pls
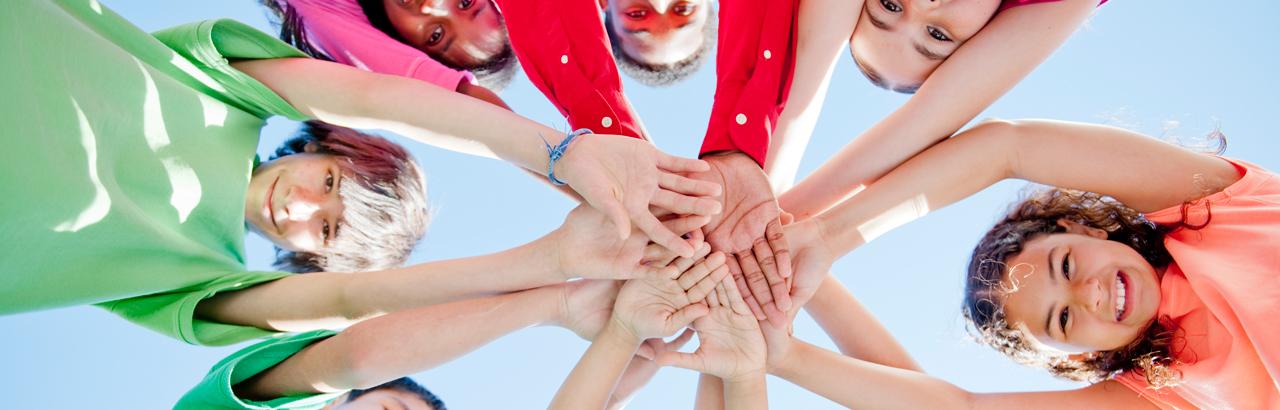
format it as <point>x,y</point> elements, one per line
<point>214,392</point>
<point>125,163</point>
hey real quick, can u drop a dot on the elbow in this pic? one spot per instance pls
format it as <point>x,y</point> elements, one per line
<point>360,365</point>
<point>1004,138</point>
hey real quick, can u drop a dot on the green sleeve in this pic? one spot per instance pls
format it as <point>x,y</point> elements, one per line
<point>215,390</point>
<point>211,45</point>
<point>173,313</point>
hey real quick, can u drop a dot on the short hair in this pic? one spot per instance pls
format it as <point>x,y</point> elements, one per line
<point>385,209</point>
<point>495,73</point>
<point>406,385</point>
<point>662,75</point>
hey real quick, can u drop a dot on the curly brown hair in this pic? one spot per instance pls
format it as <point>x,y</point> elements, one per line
<point>1036,216</point>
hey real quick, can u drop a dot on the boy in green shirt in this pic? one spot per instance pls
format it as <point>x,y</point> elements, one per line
<point>129,171</point>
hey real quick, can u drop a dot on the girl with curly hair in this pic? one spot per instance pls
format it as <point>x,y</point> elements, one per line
<point>1148,271</point>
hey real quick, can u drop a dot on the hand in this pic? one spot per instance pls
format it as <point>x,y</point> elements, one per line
<point>622,177</point>
<point>642,369</point>
<point>730,344</point>
<point>813,259</point>
<point>657,306</point>
<point>585,306</point>
<point>777,340</point>
<point>587,247</point>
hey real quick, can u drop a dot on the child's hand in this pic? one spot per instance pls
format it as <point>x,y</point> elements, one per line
<point>587,246</point>
<point>811,260</point>
<point>585,306</point>
<point>730,344</point>
<point>625,177</point>
<point>658,306</point>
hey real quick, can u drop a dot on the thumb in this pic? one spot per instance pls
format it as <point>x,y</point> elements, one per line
<point>687,314</point>
<point>680,359</point>
<point>646,351</point>
<point>618,215</point>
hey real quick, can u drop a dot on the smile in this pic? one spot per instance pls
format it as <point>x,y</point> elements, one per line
<point>1121,296</point>
<point>269,204</point>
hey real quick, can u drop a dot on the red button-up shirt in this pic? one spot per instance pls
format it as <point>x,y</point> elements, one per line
<point>754,64</point>
<point>564,50</point>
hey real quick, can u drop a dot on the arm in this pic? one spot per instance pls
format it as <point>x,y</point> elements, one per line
<point>979,72</point>
<point>852,382</point>
<point>375,351</point>
<point>823,28</point>
<point>1070,155</point>
<point>622,177</point>
<point>641,370</point>
<point>853,328</point>
<point>481,93</point>
<point>710,393</point>
<point>592,381</point>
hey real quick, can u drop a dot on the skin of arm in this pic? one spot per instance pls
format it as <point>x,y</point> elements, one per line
<point>623,177</point>
<point>855,331</point>
<point>583,246</point>
<point>851,382</point>
<point>641,370</point>
<point>648,307</point>
<point>481,93</point>
<point>980,71</point>
<point>375,351</point>
<point>823,28</point>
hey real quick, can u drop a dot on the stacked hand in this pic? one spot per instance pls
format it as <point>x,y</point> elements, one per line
<point>656,306</point>
<point>731,346</point>
<point>588,247</point>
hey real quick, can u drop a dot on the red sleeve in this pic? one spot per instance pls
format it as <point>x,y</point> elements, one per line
<point>576,72</point>
<point>754,65</point>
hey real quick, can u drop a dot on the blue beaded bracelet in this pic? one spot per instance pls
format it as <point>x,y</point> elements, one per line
<point>554,153</point>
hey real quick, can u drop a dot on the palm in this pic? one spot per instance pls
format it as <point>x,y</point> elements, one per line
<point>586,305</point>
<point>590,248</point>
<point>730,344</point>
<point>647,306</point>
<point>748,201</point>
<point>811,262</point>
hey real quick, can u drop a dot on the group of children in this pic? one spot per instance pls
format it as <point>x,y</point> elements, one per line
<point>129,176</point>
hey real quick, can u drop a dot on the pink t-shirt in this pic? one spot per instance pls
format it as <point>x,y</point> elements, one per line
<point>1222,294</point>
<point>340,29</point>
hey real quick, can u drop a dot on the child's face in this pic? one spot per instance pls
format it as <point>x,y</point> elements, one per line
<point>464,32</point>
<point>659,32</point>
<point>898,43</point>
<point>1079,293</point>
<point>381,399</point>
<point>293,201</point>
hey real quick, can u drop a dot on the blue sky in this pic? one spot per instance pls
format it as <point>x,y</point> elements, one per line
<point>1176,70</point>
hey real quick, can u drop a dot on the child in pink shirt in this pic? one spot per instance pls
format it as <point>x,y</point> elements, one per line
<point>441,43</point>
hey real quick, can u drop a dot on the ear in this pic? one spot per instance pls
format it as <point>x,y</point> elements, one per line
<point>1081,229</point>
<point>311,147</point>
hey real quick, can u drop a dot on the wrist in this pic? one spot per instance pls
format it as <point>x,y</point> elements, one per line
<point>785,365</point>
<point>829,235</point>
<point>619,334</point>
<point>560,165</point>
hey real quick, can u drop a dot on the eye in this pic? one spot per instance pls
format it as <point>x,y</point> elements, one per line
<point>328,182</point>
<point>465,4</point>
<point>683,9</point>
<point>1066,265</point>
<point>324,231</point>
<point>636,14</point>
<point>938,34</point>
<point>1062,320</point>
<point>891,6</point>
<point>436,35</point>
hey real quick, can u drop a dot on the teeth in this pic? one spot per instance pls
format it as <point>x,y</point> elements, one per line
<point>1119,297</point>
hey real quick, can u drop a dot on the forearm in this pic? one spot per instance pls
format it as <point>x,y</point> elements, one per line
<point>352,98</point>
<point>853,328</point>
<point>1004,52</point>
<point>747,392</point>
<point>593,379</point>
<point>329,300</point>
<point>855,383</point>
<point>377,350</point>
<point>710,393</point>
<point>481,93</point>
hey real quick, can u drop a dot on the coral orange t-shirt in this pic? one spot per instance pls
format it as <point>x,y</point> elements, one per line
<point>1222,293</point>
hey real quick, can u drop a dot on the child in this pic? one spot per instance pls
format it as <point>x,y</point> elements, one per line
<point>654,306</point>
<point>1161,293</point>
<point>306,369</point>
<point>138,179</point>
<point>660,43</point>
<point>442,43</point>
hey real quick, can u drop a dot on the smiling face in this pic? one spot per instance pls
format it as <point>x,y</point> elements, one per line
<point>659,32</point>
<point>898,43</point>
<point>1078,292</point>
<point>465,33</point>
<point>293,201</point>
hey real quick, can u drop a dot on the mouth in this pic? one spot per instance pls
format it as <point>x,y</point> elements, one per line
<point>1123,296</point>
<point>269,204</point>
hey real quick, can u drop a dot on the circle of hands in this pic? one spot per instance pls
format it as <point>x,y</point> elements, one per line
<point>638,243</point>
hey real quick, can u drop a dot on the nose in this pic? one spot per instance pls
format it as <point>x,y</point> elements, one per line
<point>432,8</point>
<point>300,204</point>
<point>1090,295</point>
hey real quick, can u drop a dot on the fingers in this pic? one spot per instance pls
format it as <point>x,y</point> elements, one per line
<point>686,224</point>
<point>722,295</point>
<point>764,256</point>
<point>684,204</point>
<point>683,264</point>
<point>695,274</point>
<point>774,233</point>
<point>656,255</point>
<point>687,314</point>
<point>704,287</point>
<point>672,163</point>
<point>679,341</point>
<point>758,284</point>
<point>679,359</point>
<point>660,235</point>
<point>688,186</point>
<point>736,302</point>
<point>745,289</point>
